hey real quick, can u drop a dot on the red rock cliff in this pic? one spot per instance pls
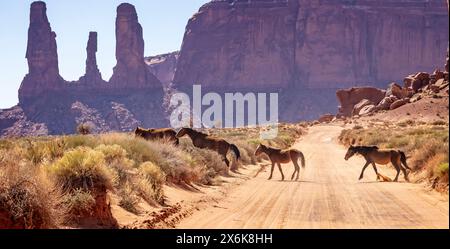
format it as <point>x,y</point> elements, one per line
<point>311,43</point>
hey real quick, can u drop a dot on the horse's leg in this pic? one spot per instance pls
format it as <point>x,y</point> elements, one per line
<point>397,167</point>
<point>281,171</point>
<point>376,171</point>
<point>297,169</point>
<point>271,170</point>
<point>364,168</point>
<point>403,170</point>
<point>226,161</point>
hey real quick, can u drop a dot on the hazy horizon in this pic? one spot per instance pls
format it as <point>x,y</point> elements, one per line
<point>163,23</point>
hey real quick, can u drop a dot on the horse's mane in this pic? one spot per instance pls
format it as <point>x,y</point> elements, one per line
<point>365,148</point>
<point>271,148</point>
<point>198,133</point>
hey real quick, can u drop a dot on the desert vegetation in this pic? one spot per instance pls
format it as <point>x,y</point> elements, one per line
<point>426,146</point>
<point>65,181</point>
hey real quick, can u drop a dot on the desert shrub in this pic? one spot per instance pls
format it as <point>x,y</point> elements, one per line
<point>442,169</point>
<point>84,129</point>
<point>79,201</point>
<point>155,179</point>
<point>112,152</point>
<point>84,168</point>
<point>422,154</point>
<point>28,199</point>
<point>75,141</point>
<point>138,150</point>
<point>439,122</point>
<point>55,148</point>
<point>247,152</point>
<point>406,123</point>
<point>128,199</point>
<point>34,152</point>
<point>116,158</point>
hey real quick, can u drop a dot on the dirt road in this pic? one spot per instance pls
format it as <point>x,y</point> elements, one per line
<point>328,195</point>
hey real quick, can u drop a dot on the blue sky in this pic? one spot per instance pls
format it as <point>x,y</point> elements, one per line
<point>163,21</point>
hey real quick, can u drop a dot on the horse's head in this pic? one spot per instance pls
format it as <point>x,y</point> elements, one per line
<point>138,131</point>
<point>182,132</point>
<point>259,149</point>
<point>350,152</point>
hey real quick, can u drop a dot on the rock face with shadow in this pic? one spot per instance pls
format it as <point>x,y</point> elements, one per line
<point>310,48</point>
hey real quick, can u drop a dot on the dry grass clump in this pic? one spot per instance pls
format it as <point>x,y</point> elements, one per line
<point>28,200</point>
<point>154,178</point>
<point>426,146</point>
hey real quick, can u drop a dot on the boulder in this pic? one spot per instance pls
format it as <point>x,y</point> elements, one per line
<point>386,103</point>
<point>348,98</point>
<point>358,107</point>
<point>397,91</point>
<point>441,83</point>
<point>434,88</point>
<point>368,109</point>
<point>415,98</point>
<point>407,82</point>
<point>399,103</point>
<point>438,74</point>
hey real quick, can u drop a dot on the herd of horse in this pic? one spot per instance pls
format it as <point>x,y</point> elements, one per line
<point>372,154</point>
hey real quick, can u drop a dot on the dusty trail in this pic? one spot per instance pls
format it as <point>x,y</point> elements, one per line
<point>328,195</point>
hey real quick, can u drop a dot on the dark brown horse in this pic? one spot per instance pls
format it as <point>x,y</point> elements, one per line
<point>204,141</point>
<point>279,156</point>
<point>373,155</point>
<point>153,134</point>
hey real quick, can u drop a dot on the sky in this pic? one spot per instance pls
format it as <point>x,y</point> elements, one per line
<point>163,22</point>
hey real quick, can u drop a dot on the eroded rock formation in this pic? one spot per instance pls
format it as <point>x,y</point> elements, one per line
<point>131,70</point>
<point>50,105</point>
<point>92,76</point>
<point>42,56</point>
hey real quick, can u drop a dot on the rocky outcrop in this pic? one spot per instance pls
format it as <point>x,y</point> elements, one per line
<point>260,44</point>
<point>163,66</point>
<point>42,56</point>
<point>131,70</point>
<point>348,98</point>
<point>93,76</point>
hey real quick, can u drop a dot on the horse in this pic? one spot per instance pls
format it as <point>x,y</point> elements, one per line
<point>152,134</point>
<point>282,156</point>
<point>204,141</point>
<point>374,155</point>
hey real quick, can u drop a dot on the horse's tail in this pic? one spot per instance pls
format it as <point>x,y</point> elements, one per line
<point>403,159</point>
<point>302,159</point>
<point>236,151</point>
